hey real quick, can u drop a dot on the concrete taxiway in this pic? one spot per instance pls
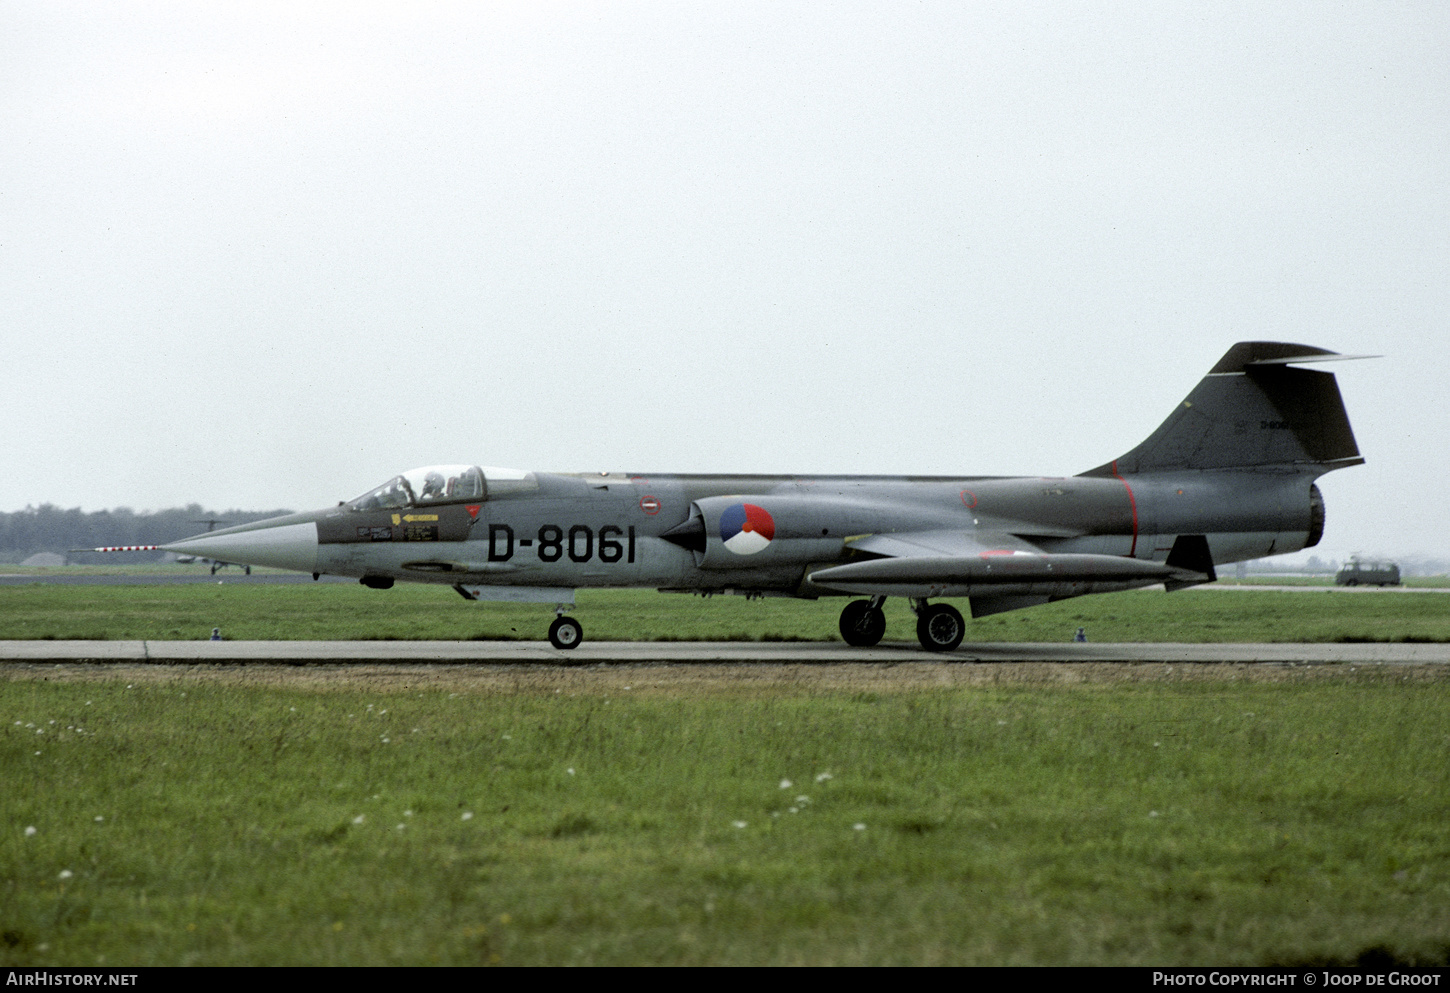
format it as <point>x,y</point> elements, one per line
<point>624,652</point>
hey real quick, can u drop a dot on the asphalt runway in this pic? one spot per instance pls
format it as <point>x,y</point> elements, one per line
<point>525,653</point>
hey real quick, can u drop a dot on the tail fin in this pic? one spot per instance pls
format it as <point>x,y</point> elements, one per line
<point>1253,410</point>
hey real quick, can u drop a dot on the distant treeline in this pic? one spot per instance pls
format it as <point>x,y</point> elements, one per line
<point>50,529</point>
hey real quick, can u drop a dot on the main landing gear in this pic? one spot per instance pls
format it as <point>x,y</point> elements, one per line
<point>863,622</point>
<point>939,626</point>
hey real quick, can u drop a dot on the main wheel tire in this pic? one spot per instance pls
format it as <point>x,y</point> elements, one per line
<point>565,633</point>
<point>940,628</point>
<point>862,625</point>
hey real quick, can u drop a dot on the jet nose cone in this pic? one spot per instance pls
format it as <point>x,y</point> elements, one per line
<point>282,546</point>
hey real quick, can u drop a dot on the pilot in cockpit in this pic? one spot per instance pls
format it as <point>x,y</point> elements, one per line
<point>432,487</point>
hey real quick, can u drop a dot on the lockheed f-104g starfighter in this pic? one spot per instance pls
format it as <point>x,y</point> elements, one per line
<point>1229,476</point>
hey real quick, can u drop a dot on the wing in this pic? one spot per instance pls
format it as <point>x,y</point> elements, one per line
<point>998,570</point>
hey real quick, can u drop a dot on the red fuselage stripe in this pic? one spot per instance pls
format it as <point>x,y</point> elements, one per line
<point>1133,503</point>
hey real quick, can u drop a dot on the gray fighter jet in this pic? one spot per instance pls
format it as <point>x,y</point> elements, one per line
<point>1228,476</point>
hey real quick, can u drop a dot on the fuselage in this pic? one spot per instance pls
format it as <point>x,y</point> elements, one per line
<point>560,530</point>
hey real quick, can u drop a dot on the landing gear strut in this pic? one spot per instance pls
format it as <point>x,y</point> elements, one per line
<point>939,626</point>
<point>863,622</point>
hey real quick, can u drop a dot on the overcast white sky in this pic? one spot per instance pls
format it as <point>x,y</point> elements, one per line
<point>257,255</point>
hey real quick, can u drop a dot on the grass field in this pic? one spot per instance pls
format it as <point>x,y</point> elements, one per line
<point>549,818</point>
<point>350,612</point>
<point>920,813</point>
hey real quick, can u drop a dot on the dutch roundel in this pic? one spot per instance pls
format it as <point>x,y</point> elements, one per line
<point>746,528</point>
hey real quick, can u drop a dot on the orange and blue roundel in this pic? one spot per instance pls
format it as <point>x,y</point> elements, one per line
<point>746,528</point>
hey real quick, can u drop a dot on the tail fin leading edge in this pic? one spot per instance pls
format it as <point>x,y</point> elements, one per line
<point>1254,409</point>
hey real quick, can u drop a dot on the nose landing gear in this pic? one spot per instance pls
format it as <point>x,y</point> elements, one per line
<point>565,632</point>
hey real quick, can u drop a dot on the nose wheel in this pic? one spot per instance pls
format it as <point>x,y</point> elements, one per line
<point>565,632</point>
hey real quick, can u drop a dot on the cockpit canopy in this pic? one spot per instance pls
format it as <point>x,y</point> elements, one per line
<point>437,484</point>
